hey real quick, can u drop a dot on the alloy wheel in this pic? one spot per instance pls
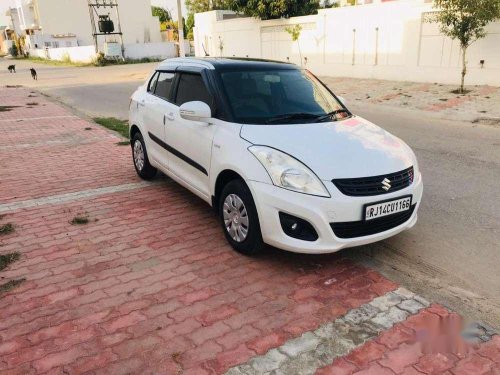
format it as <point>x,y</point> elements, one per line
<point>138,155</point>
<point>235,217</point>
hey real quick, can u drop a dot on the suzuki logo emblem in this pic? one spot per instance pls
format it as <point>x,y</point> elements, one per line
<point>386,184</point>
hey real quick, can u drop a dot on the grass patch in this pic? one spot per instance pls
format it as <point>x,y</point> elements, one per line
<point>80,220</point>
<point>7,287</point>
<point>112,123</point>
<point>7,259</point>
<point>123,143</point>
<point>458,91</point>
<point>101,60</point>
<point>41,60</point>
<point>6,228</point>
<point>487,121</point>
<point>7,108</point>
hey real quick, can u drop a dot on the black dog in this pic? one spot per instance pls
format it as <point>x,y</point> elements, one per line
<point>33,74</point>
<point>12,68</point>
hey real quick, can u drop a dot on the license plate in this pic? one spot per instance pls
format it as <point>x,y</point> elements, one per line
<point>381,209</point>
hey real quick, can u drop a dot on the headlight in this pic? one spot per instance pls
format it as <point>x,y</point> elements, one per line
<point>287,172</point>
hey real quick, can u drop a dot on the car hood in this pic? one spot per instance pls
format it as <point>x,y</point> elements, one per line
<point>343,149</point>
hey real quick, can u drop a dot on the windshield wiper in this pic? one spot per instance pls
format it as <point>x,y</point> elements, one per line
<point>291,116</point>
<point>333,113</point>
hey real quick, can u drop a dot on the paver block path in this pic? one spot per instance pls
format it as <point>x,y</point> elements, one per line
<point>149,284</point>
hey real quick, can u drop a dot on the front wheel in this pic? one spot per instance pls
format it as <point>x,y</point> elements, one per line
<point>239,218</point>
<point>140,157</point>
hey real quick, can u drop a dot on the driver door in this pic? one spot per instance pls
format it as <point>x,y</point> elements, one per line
<point>190,141</point>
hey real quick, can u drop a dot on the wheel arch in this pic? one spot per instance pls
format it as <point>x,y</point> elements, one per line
<point>134,129</point>
<point>223,178</point>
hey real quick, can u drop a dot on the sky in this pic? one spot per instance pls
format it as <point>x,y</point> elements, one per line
<point>170,5</point>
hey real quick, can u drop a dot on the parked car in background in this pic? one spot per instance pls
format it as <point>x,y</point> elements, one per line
<point>278,155</point>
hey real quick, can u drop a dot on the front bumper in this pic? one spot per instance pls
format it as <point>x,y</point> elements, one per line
<point>320,212</point>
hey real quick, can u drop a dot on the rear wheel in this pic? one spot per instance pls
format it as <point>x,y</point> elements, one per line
<point>140,157</point>
<point>239,218</point>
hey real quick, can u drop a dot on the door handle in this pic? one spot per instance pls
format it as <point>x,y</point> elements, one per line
<point>169,116</point>
<point>142,103</point>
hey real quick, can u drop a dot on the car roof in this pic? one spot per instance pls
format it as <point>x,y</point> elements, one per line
<point>227,63</point>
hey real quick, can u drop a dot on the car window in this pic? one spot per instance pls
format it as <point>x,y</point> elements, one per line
<point>164,85</point>
<point>257,96</point>
<point>152,83</point>
<point>192,88</point>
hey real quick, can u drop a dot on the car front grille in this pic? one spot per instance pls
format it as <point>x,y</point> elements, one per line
<point>353,229</point>
<point>367,186</point>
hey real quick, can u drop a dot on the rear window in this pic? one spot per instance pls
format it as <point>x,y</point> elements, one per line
<point>164,85</point>
<point>152,83</point>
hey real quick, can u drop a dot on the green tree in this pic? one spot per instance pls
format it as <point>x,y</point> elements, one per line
<point>200,6</point>
<point>190,26</point>
<point>162,13</point>
<point>269,9</point>
<point>294,32</point>
<point>465,21</point>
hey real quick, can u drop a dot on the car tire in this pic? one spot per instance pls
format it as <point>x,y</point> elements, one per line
<point>239,218</point>
<point>140,158</point>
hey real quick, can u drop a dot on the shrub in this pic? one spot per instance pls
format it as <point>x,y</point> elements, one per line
<point>100,60</point>
<point>66,58</point>
<point>14,52</point>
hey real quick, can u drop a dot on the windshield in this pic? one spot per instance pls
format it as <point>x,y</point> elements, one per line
<point>279,97</point>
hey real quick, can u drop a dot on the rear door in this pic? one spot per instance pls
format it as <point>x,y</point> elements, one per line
<point>157,106</point>
<point>190,142</point>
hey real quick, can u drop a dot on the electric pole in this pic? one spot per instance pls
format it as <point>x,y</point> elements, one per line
<point>180,26</point>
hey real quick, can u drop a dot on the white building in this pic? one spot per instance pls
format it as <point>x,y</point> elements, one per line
<point>67,23</point>
<point>379,39</point>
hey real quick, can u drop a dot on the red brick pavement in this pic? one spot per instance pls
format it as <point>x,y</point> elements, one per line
<point>53,153</point>
<point>144,278</point>
<point>149,284</point>
<point>407,348</point>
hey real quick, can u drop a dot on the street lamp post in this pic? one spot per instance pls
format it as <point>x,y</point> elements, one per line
<point>180,27</point>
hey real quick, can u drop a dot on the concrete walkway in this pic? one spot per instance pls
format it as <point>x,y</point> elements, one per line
<point>481,105</point>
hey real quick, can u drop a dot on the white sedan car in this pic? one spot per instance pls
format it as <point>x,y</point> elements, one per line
<point>278,155</point>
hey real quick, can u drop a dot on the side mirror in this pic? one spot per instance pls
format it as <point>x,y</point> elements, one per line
<point>195,111</point>
<point>342,100</point>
